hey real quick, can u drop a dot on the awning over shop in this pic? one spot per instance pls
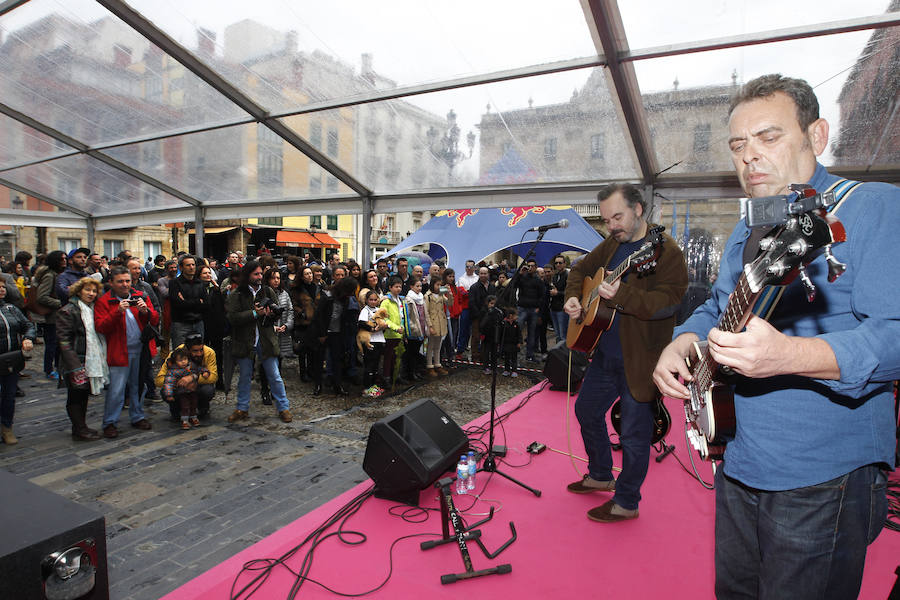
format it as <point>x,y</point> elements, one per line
<point>211,230</point>
<point>326,241</point>
<point>296,239</point>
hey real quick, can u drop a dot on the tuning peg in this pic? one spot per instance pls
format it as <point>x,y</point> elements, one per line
<point>808,285</point>
<point>835,267</point>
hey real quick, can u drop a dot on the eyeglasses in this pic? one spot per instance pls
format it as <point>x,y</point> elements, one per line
<point>560,262</point>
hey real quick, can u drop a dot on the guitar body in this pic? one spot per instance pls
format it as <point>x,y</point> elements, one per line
<point>709,413</point>
<point>584,332</point>
<point>662,420</point>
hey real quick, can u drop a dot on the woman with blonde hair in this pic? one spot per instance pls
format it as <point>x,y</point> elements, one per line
<point>82,364</point>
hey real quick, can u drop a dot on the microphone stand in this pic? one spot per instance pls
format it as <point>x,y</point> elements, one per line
<point>490,463</point>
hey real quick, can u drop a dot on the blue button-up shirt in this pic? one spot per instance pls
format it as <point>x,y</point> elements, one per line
<point>795,431</point>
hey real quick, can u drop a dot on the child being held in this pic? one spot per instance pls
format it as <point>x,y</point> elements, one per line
<point>180,385</point>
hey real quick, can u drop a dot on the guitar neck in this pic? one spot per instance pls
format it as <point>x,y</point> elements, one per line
<point>734,317</point>
<point>613,275</point>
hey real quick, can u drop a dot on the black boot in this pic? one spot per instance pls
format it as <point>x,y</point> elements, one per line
<point>88,430</point>
<point>80,431</point>
<point>317,388</point>
<point>266,397</point>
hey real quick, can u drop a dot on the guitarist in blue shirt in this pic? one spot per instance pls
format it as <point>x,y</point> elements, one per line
<point>645,304</point>
<point>802,490</point>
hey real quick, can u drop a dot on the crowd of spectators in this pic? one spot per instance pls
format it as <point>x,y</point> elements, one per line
<point>126,328</point>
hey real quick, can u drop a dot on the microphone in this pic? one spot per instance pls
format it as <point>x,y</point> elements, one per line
<point>561,225</point>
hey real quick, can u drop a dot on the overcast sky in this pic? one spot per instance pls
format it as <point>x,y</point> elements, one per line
<point>416,41</point>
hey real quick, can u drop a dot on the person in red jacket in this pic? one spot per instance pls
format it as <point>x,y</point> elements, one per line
<point>121,315</point>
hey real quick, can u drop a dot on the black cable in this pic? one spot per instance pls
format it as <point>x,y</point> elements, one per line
<point>265,566</point>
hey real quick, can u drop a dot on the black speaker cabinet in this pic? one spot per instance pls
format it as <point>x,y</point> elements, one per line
<point>50,548</point>
<point>557,366</point>
<point>410,449</point>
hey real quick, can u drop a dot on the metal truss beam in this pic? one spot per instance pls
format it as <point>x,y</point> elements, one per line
<point>168,45</point>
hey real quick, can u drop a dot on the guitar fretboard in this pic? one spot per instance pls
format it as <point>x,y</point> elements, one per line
<point>732,320</point>
<point>615,274</point>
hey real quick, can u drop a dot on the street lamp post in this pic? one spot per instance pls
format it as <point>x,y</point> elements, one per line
<point>17,204</point>
<point>446,146</point>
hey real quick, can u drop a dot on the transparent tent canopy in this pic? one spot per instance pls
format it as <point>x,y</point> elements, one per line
<point>155,106</point>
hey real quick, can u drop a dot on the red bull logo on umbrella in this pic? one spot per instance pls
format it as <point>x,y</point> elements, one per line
<point>460,214</point>
<point>519,212</point>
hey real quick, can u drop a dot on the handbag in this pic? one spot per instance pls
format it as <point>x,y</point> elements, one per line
<point>11,362</point>
<point>31,303</point>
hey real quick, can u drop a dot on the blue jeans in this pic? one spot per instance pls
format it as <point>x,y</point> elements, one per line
<point>465,331</point>
<point>560,322</point>
<point>8,385</point>
<point>124,381</point>
<point>178,331</point>
<point>529,317</point>
<point>276,384</point>
<point>804,543</point>
<point>603,383</point>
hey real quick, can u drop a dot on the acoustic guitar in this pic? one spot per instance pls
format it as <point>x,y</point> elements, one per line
<point>784,253</point>
<point>596,317</point>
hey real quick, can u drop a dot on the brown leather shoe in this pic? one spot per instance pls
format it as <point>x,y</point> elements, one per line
<point>286,416</point>
<point>442,371</point>
<point>610,512</point>
<point>143,424</point>
<point>587,485</point>
<point>431,373</point>
<point>238,415</point>
<point>110,431</point>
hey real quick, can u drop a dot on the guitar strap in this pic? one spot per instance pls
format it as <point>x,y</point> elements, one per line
<point>770,296</point>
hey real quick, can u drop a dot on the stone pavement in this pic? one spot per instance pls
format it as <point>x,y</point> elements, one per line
<point>178,503</point>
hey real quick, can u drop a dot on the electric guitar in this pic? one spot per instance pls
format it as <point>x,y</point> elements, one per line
<point>662,420</point>
<point>596,317</point>
<point>784,253</point>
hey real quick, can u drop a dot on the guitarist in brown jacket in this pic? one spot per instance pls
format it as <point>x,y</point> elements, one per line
<point>624,358</point>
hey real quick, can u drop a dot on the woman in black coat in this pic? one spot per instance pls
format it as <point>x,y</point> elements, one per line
<point>13,327</point>
<point>334,319</point>
<point>215,324</point>
<point>83,367</point>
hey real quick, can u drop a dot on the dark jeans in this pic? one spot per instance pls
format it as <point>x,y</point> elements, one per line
<point>804,543</point>
<point>371,358</point>
<point>8,385</point>
<point>50,348</point>
<point>510,360</point>
<point>529,317</point>
<point>603,384</point>
<point>465,330</point>
<point>187,401</point>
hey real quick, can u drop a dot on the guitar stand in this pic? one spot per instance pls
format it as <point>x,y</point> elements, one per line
<point>449,515</point>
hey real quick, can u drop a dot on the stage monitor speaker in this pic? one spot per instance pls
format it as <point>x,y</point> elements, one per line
<point>51,548</point>
<point>410,449</point>
<point>557,366</point>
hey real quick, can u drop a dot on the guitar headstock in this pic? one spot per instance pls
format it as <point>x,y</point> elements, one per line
<point>788,248</point>
<point>644,259</point>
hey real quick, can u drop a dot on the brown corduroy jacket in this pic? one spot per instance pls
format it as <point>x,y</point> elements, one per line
<point>646,306</point>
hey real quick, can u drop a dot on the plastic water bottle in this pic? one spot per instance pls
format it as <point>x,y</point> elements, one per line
<point>462,474</point>
<point>473,469</point>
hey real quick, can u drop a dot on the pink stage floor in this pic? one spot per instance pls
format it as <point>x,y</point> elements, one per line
<point>666,553</point>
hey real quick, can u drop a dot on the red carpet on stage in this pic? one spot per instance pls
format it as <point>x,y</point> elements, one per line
<point>666,553</point>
